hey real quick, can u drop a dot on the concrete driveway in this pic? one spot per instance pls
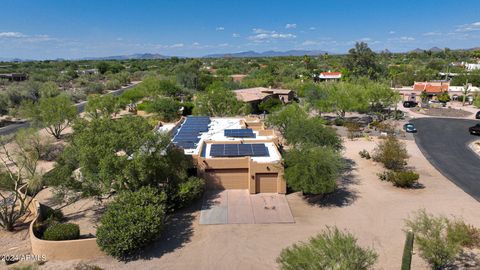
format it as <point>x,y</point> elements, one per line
<point>444,142</point>
<point>240,207</point>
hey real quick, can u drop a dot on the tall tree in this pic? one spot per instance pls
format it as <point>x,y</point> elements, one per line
<point>218,101</point>
<point>362,61</point>
<point>53,113</point>
<point>19,179</point>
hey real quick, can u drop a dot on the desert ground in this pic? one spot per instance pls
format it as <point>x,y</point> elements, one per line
<point>373,210</point>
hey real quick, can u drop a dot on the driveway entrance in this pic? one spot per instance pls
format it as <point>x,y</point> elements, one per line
<point>240,207</point>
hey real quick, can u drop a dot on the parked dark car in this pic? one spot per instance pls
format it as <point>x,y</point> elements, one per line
<point>409,104</point>
<point>475,130</point>
<point>410,128</point>
<point>477,116</point>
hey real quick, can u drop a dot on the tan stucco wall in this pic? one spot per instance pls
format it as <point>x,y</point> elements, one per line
<point>241,163</point>
<point>61,250</point>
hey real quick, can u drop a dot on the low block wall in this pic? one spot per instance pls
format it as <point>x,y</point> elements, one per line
<point>61,250</point>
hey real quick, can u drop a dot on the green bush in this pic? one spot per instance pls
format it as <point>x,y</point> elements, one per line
<point>364,154</point>
<point>392,153</point>
<point>189,191</point>
<point>313,170</point>
<point>62,231</point>
<point>131,221</point>
<point>439,239</point>
<point>402,179</point>
<point>331,249</point>
<point>339,121</point>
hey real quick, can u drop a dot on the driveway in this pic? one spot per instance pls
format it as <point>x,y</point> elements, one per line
<point>444,142</point>
<point>240,207</point>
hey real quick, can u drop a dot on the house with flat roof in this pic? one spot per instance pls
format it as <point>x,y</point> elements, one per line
<point>327,76</point>
<point>232,153</point>
<point>259,94</point>
<point>14,77</point>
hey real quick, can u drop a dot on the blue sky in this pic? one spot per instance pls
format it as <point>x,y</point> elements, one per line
<point>41,29</point>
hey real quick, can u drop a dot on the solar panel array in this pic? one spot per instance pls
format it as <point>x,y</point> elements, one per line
<point>239,133</point>
<point>239,150</point>
<point>188,135</point>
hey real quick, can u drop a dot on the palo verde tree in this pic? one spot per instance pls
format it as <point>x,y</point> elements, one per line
<point>101,106</point>
<point>53,113</point>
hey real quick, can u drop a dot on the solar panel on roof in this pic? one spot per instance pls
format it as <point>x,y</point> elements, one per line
<point>187,135</point>
<point>238,150</point>
<point>239,133</point>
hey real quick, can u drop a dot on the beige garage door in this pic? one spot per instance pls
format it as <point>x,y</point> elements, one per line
<point>227,178</point>
<point>266,182</point>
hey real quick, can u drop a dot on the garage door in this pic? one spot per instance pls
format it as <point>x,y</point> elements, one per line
<point>227,178</point>
<point>266,182</point>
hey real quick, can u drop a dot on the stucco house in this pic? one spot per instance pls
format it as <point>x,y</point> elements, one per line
<point>232,153</point>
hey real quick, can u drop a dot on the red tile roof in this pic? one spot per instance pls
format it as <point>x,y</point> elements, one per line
<point>431,87</point>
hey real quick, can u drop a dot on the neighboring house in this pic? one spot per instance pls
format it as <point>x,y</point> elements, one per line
<point>327,76</point>
<point>238,77</point>
<point>232,153</point>
<point>92,71</point>
<point>15,77</point>
<point>434,88</point>
<point>256,95</point>
<point>471,67</point>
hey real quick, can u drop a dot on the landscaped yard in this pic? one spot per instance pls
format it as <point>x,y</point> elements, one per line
<point>371,209</point>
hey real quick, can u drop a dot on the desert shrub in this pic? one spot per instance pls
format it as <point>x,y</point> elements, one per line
<point>331,249</point>
<point>440,240</point>
<point>189,191</point>
<point>353,129</point>
<point>131,221</point>
<point>364,154</point>
<point>82,266</point>
<point>62,231</point>
<point>392,153</point>
<point>339,121</point>
<point>402,178</point>
<point>51,152</point>
<point>113,85</point>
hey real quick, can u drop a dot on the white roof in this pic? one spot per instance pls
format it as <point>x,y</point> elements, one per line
<point>215,133</point>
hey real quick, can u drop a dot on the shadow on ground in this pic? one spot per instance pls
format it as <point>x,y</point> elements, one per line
<point>343,195</point>
<point>178,231</point>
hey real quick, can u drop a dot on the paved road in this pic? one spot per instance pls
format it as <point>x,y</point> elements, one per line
<point>444,142</point>
<point>80,108</point>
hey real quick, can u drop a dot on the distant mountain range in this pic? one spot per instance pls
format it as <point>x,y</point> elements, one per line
<point>268,54</point>
<point>131,56</point>
<point>221,55</point>
<point>433,49</point>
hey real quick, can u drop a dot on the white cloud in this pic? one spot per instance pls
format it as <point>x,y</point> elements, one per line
<point>469,27</point>
<point>195,44</point>
<point>404,39</point>
<point>220,28</point>
<point>261,31</point>
<point>11,35</point>
<point>432,34</point>
<point>177,45</point>
<point>312,28</point>
<point>235,35</point>
<point>290,26</point>
<point>365,39</point>
<point>391,32</point>
<point>223,45</point>
<point>262,35</point>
